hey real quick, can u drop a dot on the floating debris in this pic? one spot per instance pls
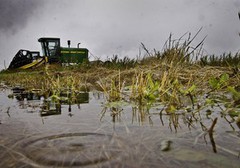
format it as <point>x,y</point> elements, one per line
<point>166,145</point>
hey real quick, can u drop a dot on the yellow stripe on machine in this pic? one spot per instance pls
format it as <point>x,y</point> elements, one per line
<point>37,62</point>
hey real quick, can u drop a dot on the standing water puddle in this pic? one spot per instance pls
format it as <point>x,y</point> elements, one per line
<point>87,134</point>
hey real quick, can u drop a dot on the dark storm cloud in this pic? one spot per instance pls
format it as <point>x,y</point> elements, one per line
<point>14,14</point>
<point>108,27</point>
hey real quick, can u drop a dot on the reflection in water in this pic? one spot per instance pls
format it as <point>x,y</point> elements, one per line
<point>115,113</point>
<point>53,106</point>
<point>27,96</point>
<point>141,114</point>
<point>210,133</point>
<point>49,105</point>
<point>212,142</point>
<point>174,122</point>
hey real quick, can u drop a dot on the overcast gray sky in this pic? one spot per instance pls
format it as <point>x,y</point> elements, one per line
<point>108,27</point>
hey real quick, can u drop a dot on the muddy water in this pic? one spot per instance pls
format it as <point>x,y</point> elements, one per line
<point>87,135</point>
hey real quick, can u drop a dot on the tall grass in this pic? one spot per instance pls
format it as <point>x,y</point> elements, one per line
<point>222,60</point>
<point>178,51</point>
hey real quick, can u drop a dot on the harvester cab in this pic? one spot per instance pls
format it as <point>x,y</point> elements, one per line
<point>50,48</point>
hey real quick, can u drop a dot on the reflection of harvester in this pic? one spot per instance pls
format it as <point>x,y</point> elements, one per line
<point>52,53</point>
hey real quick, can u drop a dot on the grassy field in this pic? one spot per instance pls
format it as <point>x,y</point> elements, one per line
<point>176,63</point>
<point>88,75</point>
<point>177,73</point>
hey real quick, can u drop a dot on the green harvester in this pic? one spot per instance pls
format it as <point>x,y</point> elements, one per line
<point>52,53</point>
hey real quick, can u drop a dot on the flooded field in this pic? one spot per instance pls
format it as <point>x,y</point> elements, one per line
<point>90,133</point>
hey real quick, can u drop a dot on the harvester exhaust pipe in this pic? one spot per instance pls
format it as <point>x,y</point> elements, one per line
<point>69,43</point>
<point>78,45</point>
